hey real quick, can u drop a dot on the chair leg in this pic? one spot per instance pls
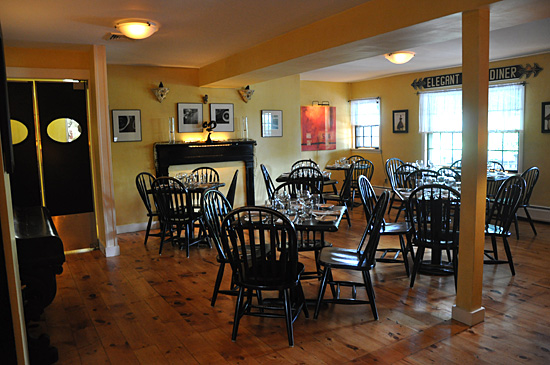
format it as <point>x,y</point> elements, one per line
<point>288,317</point>
<point>188,228</point>
<point>322,289</point>
<point>392,199</point>
<point>516,225</point>
<point>509,255</point>
<point>455,266</point>
<point>218,283</point>
<point>417,263</point>
<point>347,214</point>
<point>303,302</point>
<point>370,293</point>
<point>494,243</point>
<point>404,254</point>
<point>530,220</point>
<point>237,317</point>
<point>149,222</point>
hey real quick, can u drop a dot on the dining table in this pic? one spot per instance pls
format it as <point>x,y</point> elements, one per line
<point>323,219</point>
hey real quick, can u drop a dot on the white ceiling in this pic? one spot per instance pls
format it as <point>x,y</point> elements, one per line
<point>196,33</point>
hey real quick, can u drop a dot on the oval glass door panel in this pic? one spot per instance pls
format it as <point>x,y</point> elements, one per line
<point>19,131</point>
<point>64,130</point>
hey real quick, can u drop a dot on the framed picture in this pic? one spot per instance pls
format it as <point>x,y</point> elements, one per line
<point>189,117</point>
<point>222,114</point>
<point>272,123</point>
<point>401,121</point>
<point>126,125</point>
<point>545,128</point>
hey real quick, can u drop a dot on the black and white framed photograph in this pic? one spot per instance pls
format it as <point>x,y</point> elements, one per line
<point>545,127</point>
<point>126,125</point>
<point>401,121</point>
<point>222,114</point>
<point>189,117</point>
<point>272,123</point>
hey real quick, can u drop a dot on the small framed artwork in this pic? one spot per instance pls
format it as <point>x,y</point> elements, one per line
<point>272,123</point>
<point>545,128</point>
<point>222,114</point>
<point>400,121</point>
<point>189,117</point>
<point>126,125</point>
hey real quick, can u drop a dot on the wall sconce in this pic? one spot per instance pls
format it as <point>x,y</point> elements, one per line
<point>137,29</point>
<point>160,92</point>
<point>205,99</point>
<point>246,93</point>
<point>400,57</point>
<point>322,103</point>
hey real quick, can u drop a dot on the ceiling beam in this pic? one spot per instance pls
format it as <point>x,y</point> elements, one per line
<point>367,30</point>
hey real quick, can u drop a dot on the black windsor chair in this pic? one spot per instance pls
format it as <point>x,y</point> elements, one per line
<point>401,229</point>
<point>361,259</point>
<point>502,211</point>
<point>261,247</point>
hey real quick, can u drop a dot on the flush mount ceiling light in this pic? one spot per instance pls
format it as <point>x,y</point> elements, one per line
<point>399,57</point>
<point>137,29</point>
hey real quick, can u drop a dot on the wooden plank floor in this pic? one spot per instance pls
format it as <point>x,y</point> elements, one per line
<point>142,308</point>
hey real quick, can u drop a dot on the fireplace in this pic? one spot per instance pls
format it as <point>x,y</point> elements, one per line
<point>182,153</point>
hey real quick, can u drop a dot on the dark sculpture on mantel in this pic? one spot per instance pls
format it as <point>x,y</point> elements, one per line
<point>209,126</point>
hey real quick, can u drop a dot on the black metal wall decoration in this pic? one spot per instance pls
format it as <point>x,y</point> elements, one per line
<point>495,74</point>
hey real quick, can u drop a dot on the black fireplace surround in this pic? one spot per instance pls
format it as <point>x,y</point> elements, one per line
<point>183,153</point>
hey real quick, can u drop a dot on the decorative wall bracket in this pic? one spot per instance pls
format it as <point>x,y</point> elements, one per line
<point>160,92</point>
<point>246,93</point>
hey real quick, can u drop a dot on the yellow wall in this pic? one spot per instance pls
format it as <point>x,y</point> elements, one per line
<point>129,88</point>
<point>396,93</point>
<point>336,93</point>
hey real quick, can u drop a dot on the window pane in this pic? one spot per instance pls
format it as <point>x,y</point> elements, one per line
<point>495,141</point>
<point>510,160</point>
<point>457,141</point>
<point>511,141</point>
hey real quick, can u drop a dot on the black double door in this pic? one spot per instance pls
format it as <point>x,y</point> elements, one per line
<point>48,170</point>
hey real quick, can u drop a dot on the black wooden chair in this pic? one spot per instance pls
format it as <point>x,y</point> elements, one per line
<point>494,185</point>
<point>400,229</point>
<point>261,246</point>
<point>269,186</point>
<point>176,210</point>
<point>215,207</point>
<point>449,172</point>
<point>311,176</point>
<point>530,176</point>
<point>502,211</point>
<point>143,184</point>
<point>434,213</point>
<point>344,195</point>
<point>412,181</point>
<point>361,259</point>
<point>206,174</point>
<point>232,188</point>
<point>354,158</point>
<point>398,182</point>
<point>456,165</point>
<point>363,167</point>
<point>304,163</point>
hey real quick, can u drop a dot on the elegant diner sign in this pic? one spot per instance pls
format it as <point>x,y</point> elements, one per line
<point>495,74</point>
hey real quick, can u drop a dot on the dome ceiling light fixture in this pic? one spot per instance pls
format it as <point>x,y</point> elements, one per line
<point>400,57</point>
<point>137,29</point>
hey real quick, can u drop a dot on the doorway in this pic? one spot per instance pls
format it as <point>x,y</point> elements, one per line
<point>52,156</point>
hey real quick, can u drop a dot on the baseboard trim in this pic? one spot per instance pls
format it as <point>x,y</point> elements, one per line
<point>467,317</point>
<point>538,213</point>
<point>135,227</point>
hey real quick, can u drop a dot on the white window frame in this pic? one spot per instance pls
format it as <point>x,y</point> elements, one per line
<point>517,126</point>
<point>361,120</point>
